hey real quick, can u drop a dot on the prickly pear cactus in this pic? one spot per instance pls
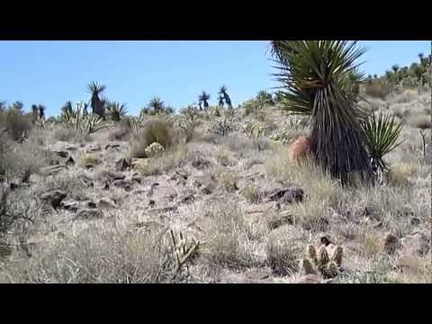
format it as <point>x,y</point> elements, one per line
<point>325,261</point>
<point>154,149</point>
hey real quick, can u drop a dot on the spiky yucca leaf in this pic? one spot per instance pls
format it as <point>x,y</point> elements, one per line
<point>116,110</point>
<point>67,113</point>
<point>91,123</point>
<point>223,92</point>
<point>307,66</point>
<point>264,98</point>
<point>155,105</point>
<point>203,98</point>
<point>315,75</point>
<point>76,119</point>
<point>382,134</point>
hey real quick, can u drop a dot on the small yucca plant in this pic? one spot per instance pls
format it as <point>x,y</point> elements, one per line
<point>382,133</point>
<point>116,110</point>
<point>203,99</point>
<point>264,98</point>
<point>75,118</point>
<point>67,112</point>
<point>91,124</point>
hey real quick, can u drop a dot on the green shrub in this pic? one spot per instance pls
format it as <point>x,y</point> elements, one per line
<point>156,131</point>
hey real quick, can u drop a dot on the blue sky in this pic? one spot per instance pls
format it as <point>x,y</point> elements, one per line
<point>53,72</point>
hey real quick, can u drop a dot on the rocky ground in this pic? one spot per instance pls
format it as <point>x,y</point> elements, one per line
<point>233,205</point>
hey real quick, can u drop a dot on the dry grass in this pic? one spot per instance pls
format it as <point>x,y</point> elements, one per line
<point>68,134</point>
<point>228,245</point>
<point>168,160</point>
<point>108,254</point>
<point>20,161</point>
<point>399,174</point>
<point>421,121</point>
<point>225,158</point>
<point>283,249</point>
<point>89,160</point>
<point>252,194</point>
<point>228,181</point>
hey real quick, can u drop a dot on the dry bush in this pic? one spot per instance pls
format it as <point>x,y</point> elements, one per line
<point>89,159</point>
<point>122,132</point>
<point>5,144</point>
<point>188,121</point>
<point>408,95</point>
<point>400,111</point>
<point>378,90</point>
<point>19,161</point>
<point>70,182</point>
<point>19,210</point>
<point>67,134</point>
<point>225,157</point>
<point>421,121</point>
<point>399,174</point>
<point>16,124</point>
<point>222,126</point>
<point>227,181</point>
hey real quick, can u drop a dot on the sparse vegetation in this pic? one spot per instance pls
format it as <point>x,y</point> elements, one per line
<point>187,195</point>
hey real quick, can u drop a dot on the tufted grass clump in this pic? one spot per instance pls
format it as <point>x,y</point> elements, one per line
<point>156,131</point>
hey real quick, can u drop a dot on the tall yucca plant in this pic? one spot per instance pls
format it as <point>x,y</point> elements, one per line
<point>96,102</point>
<point>382,134</point>
<point>315,75</point>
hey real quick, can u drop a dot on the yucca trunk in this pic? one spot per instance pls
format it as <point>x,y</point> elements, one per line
<point>98,106</point>
<point>338,140</point>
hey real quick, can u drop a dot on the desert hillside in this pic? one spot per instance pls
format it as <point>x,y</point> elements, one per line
<point>210,195</point>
